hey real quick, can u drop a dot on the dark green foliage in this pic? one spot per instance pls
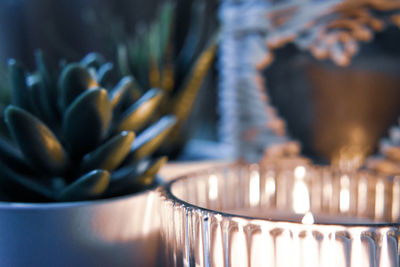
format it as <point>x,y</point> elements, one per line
<point>73,153</point>
<point>174,53</point>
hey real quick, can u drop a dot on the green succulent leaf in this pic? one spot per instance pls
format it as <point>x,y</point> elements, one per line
<point>33,83</point>
<point>147,173</point>
<point>136,116</point>
<point>184,100</point>
<point>12,179</point>
<point>90,111</point>
<point>19,91</point>
<point>40,106</point>
<point>125,92</point>
<point>194,38</point>
<point>40,147</point>
<point>104,73</point>
<point>151,138</point>
<point>123,62</point>
<point>165,22</point>
<point>140,174</point>
<point>49,88</point>
<point>93,60</point>
<point>74,80</point>
<point>109,155</point>
<point>88,186</point>
<point>12,157</point>
<point>83,130</point>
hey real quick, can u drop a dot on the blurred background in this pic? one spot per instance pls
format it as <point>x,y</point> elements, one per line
<point>331,108</point>
<point>71,29</point>
<point>326,107</point>
<point>68,30</point>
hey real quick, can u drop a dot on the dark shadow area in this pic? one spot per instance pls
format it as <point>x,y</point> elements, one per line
<point>329,107</point>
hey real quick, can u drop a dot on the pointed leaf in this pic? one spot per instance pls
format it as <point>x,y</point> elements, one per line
<point>33,82</point>
<point>48,88</point>
<point>125,93</point>
<point>184,101</point>
<point>123,60</point>
<point>37,142</point>
<point>12,157</point>
<point>151,138</point>
<point>19,91</point>
<point>138,175</point>
<point>109,155</point>
<point>165,20</point>
<point>74,80</point>
<point>39,105</point>
<point>148,173</point>
<point>47,77</point>
<point>137,115</point>
<point>194,40</point>
<point>87,186</point>
<point>139,169</point>
<point>93,60</point>
<point>24,187</point>
<point>86,121</point>
<point>104,73</point>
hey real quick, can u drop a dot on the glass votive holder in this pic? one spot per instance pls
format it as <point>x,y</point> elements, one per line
<point>281,215</point>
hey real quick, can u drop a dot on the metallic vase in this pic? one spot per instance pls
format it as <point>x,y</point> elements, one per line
<point>122,231</point>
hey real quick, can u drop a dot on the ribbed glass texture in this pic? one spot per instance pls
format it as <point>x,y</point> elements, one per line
<point>281,215</point>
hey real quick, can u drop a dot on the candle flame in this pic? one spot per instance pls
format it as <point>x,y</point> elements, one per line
<point>213,187</point>
<point>300,172</point>
<point>301,196</point>
<point>379,199</point>
<point>254,194</point>
<point>344,194</point>
<point>308,218</point>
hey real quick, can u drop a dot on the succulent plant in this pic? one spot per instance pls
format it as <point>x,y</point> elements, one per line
<point>75,140</point>
<point>171,57</point>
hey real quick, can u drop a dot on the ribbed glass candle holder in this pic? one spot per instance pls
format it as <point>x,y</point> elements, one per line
<point>281,214</point>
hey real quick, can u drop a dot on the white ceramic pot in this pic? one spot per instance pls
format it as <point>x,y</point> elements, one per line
<point>122,231</point>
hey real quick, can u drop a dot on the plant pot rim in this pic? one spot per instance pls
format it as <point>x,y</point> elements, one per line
<point>9,205</point>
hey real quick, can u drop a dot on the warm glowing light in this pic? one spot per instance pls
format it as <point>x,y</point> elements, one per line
<point>218,252</point>
<point>379,199</point>
<point>239,248</point>
<point>385,257</point>
<point>356,251</point>
<point>300,172</point>
<point>327,196</point>
<point>344,193</point>
<point>213,187</point>
<point>93,84</point>
<point>284,244</point>
<point>308,218</point>
<point>301,196</point>
<point>266,245</point>
<point>148,214</point>
<point>270,186</point>
<point>328,247</point>
<point>254,194</point>
<point>310,251</point>
<point>362,195</point>
<point>396,199</point>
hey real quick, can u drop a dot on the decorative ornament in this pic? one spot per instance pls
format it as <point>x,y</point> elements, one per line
<point>252,30</point>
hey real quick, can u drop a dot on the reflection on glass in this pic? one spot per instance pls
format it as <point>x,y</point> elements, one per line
<point>344,193</point>
<point>301,197</point>
<point>278,215</point>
